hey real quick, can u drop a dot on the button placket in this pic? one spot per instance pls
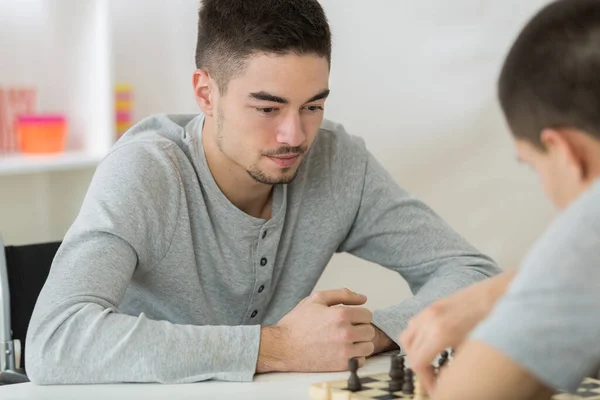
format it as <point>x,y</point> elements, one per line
<point>262,273</point>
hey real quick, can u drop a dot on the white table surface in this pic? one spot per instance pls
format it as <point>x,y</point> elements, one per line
<point>280,386</point>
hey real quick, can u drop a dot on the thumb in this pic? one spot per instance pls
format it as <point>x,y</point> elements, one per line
<point>339,296</point>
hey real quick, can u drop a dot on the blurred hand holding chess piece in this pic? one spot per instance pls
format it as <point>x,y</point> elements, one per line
<point>447,322</point>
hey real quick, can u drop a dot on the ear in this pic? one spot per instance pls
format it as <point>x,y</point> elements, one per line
<point>203,91</point>
<point>563,146</point>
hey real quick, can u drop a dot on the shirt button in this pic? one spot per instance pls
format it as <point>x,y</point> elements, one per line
<point>263,261</point>
<point>264,233</point>
<point>261,288</point>
<point>253,314</point>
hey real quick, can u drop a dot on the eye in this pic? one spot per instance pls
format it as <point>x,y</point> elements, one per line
<point>266,110</point>
<point>314,108</point>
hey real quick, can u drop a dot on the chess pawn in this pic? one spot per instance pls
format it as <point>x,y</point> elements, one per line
<point>408,387</point>
<point>354,384</point>
<point>396,374</point>
<point>443,359</point>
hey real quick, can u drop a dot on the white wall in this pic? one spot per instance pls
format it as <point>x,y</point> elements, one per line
<point>415,79</point>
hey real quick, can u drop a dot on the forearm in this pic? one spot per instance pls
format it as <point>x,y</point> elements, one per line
<point>492,289</point>
<point>480,372</point>
<point>85,343</point>
<point>444,282</point>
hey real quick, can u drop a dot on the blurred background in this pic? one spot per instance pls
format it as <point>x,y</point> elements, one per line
<point>415,79</point>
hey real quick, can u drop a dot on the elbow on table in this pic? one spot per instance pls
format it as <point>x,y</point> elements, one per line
<point>43,367</point>
<point>46,361</point>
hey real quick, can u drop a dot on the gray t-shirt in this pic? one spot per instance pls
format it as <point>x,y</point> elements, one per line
<point>162,279</point>
<point>549,319</point>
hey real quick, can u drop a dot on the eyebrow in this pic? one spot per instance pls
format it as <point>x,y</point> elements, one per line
<point>264,96</point>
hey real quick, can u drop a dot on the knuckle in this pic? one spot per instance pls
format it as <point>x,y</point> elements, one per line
<point>429,313</point>
<point>342,314</point>
<point>436,310</point>
<point>346,336</point>
<point>316,296</point>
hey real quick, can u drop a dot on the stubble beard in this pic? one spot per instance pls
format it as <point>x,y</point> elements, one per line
<point>254,171</point>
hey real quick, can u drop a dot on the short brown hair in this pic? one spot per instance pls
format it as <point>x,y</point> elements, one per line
<point>551,76</point>
<point>229,31</point>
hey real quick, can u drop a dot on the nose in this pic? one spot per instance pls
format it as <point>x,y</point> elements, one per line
<point>290,132</point>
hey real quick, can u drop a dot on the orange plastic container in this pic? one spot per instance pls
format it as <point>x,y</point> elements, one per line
<point>42,133</point>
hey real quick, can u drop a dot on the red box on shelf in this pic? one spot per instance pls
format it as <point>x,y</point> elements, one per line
<point>42,134</point>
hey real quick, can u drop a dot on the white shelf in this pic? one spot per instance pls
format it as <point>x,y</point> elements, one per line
<point>77,79</point>
<point>29,164</point>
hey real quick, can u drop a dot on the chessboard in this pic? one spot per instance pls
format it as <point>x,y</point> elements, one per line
<point>373,387</point>
<point>398,383</point>
<point>377,386</point>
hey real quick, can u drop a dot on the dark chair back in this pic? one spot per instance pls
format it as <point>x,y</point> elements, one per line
<point>28,267</point>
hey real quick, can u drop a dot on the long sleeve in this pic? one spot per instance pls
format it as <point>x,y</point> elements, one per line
<point>125,227</point>
<point>397,231</point>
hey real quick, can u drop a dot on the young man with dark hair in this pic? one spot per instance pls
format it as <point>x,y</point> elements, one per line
<point>536,328</point>
<point>202,237</point>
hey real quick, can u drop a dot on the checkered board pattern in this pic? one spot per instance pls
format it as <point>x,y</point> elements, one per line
<point>376,387</point>
<point>589,389</point>
<point>373,387</point>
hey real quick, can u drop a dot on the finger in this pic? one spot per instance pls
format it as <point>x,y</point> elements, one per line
<point>421,357</point>
<point>360,333</point>
<point>362,349</point>
<point>361,362</point>
<point>339,296</point>
<point>407,336</point>
<point>357,315</point>
<point>424,349</point>
<point>426,377</point>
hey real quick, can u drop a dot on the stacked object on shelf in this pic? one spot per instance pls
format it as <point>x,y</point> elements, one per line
<point>42,134</point>
<point>123,107</point>
<point>14,102</point>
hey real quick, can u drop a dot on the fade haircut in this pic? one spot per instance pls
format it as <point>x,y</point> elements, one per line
<point>231,31</point>
<point>551,76</point>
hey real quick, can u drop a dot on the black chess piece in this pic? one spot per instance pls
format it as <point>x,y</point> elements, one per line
<point>408,387</point>
<point>396,374</point>
<point>443,359</point>
<point>354,384</point>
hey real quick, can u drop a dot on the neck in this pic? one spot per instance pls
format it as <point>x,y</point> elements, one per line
<point>252,197</point>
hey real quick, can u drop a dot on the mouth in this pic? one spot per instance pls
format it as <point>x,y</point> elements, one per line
<point>285,160</point>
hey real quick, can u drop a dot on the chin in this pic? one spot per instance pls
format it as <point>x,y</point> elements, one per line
<point>282,176</point>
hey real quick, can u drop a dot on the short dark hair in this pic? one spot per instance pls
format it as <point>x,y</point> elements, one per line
<point>229,31</point>
<point>551,75</point>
